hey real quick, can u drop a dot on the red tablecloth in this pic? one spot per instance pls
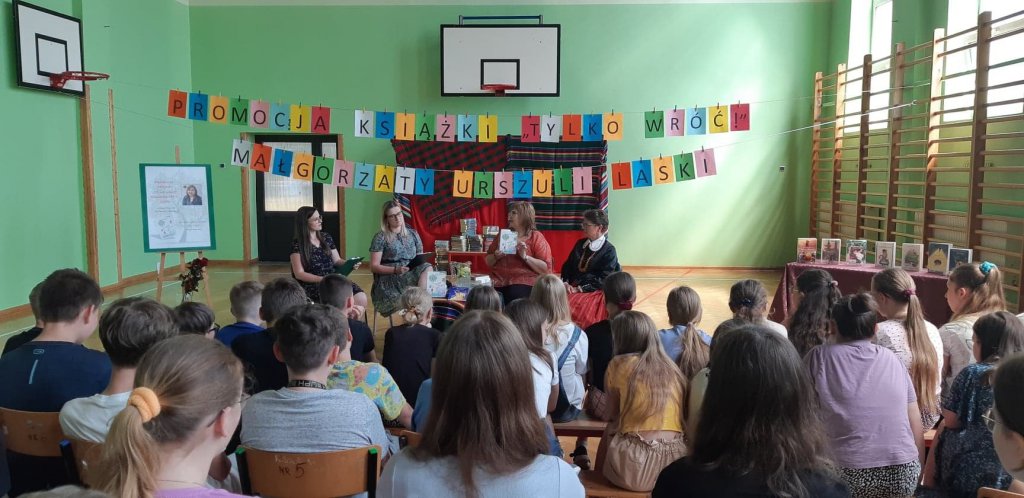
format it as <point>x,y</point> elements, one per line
<point>931,288</point>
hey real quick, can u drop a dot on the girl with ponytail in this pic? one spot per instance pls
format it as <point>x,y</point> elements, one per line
<point>972,290</point>
<point>183,411</point>
<point>684,343</point>
<point>816,294</point>
<point>915,341</point>
<point>409,349</point>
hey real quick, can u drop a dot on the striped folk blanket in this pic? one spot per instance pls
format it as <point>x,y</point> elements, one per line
<point>561,212</point>
<point>443,157</point>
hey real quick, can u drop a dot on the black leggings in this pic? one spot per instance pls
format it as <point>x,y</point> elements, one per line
<point>512,292</point>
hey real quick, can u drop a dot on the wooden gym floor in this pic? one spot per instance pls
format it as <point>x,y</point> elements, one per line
<point>653,286</point>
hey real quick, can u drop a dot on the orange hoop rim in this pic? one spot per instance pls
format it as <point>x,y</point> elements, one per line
<point>61,79</point>
<point>498,89</point>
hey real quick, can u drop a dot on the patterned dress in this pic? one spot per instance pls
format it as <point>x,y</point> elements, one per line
<point>396,251</point>
<point>320,264</point>
<point>966,457</point>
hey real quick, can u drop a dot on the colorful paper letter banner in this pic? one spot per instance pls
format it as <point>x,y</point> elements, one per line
<point>470,184</point>
<point>385,125</point>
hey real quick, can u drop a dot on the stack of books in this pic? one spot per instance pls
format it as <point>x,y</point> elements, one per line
<point>490,233</point>
<point>441,255</point>
<point>468,226</point>
<point>474,243</point>
<point>458,244</point>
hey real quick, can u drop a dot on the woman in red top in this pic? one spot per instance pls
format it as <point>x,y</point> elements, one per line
<point>513,274</point>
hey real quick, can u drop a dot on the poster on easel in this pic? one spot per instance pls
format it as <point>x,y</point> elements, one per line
<point>177,207</point>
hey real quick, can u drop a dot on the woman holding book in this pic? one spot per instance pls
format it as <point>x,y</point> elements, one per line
<point>392,250</point>
<point>591,260</point>
<point>513,274</point>
<point>314,255</point>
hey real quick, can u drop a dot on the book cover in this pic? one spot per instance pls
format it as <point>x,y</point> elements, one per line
<point>437,284</point>
<point>885,254</point>
<point>830,249</point>
<point>938,257</point>
<point>856,251</point>
<point>507,241</point>
<point>806,249</point>
<point>349,265</point>
<point>959,256</point>
<point>457,293</point>
<point>912,257</point>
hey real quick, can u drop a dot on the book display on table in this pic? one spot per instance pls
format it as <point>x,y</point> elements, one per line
<point>885,254</point>
<point>806,249</point>
<point>938,257</point>
<point>960,256</point>
<point>830,249</point>
<point>912,257</point>
<point>856,251</point>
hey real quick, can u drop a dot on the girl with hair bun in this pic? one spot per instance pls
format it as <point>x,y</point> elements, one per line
<point>409,349</point>
<point>868,404</point>
<point>183,411</point>
<point>748,301</point>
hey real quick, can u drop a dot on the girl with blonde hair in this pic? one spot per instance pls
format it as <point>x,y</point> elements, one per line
<point>409,349</point>
<point>567,343</point>
<point>684,343</point>
<point>645,394</point>
<point>915,341</point>
<point>183,411</point>
<point>972,290</point>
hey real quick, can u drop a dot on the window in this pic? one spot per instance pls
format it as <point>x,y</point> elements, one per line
<point>870,32</point>
<point>963,14</point>
<point>283,193</point>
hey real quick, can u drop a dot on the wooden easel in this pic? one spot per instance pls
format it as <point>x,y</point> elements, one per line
<point>181,259</point>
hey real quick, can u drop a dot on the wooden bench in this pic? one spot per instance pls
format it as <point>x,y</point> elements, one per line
<point>584,426</point>
<point>595,485</point>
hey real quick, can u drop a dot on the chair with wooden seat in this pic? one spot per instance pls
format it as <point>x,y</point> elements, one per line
<point>83,457</point>
<point>32,433</point>
<point>309,475</point>
<point>595,485</point>
<point>33,439</point>
<point>997,493</point>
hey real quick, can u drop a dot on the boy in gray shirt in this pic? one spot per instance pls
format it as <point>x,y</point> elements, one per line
<point>306,416</point>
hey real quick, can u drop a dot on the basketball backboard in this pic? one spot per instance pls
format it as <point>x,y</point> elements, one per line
<point>47,43</point>
<point>525,56</point>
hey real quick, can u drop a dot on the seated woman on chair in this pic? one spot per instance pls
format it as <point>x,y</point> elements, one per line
<point>391,251</point>
<point>314,255</point>
<point>513,275</point>
<point>592,259</point>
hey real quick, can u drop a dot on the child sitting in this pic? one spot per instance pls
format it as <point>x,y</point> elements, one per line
<point>245,307</point>
<point>748,301</point>
<point>309,343</point>
<point>54,368</point>
<point>409,349</point>
<point>195,318</point>
<point>128,328</point>
<point>483,298</point>
<point>684,343</point>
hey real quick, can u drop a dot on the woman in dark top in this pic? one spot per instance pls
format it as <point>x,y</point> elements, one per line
<point>591,260</point>
<point>409,349</point>
<point>191,197</point>
<point>314,255</point>
<point>760,435</point>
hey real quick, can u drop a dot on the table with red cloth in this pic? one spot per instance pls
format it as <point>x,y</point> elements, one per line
<point>931,288</point>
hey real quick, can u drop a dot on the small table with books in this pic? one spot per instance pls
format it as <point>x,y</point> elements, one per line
<point>931,288</point>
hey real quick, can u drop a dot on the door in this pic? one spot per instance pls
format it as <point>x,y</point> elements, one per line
<point>278,197</point>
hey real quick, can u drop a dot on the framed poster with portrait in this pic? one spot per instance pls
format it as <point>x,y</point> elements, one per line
<point>177,207</point>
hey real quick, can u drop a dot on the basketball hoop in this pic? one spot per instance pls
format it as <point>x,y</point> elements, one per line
<point>498,89</point>
<point>59,80</point>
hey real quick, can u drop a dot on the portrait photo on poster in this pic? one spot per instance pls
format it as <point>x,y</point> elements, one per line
<point>177,207</point>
